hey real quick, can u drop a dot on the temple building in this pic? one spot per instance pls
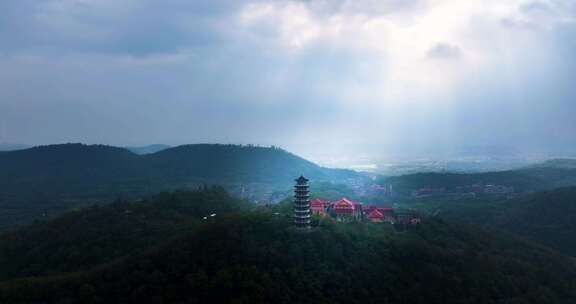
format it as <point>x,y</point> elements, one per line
<point>319,207</point>
<point>376,216</point>
<point>347,210</point>
<point>379,214</point>
<point>302,203</point>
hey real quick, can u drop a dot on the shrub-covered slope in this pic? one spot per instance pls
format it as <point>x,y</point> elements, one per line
<point>259,258</point>
<point>546,217</point>
<point>523,180</point>
<point>80,240</point>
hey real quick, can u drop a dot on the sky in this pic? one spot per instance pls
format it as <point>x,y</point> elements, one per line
<point>324,79</point>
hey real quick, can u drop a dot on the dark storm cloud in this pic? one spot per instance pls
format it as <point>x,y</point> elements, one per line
<point>129,27</point>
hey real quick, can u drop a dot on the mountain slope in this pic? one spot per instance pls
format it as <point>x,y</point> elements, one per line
<point>65,168</point>
<point>232,163</point>
<point>83,239</point>
<point>77,163</point>
<point>50,179</point>
<point>523,180</point>
<point>258,258</point>
<point>545,217</point>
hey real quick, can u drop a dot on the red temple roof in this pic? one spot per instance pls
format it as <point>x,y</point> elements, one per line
<point>375,214</point>
<point>345,205</point>
<point>317,202</point>
<point>319,206</point>
<point>371,208</point>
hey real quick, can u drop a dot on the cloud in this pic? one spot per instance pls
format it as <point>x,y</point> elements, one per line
<point>536,15</point>
<point>403,34</point>
<point>295,73</point>
<point>123,27</point>
<point>444,51</point>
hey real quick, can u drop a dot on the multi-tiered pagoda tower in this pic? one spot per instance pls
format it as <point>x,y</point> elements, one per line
<point>302,203</point>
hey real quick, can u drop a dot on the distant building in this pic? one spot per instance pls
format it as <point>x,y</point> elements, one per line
<point>302,203</point>
<point>346,210</point>
<point>373,213</point>
<point>319,207</point>
<point>376,216</point>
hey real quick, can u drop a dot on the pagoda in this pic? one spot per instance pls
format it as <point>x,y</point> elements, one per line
<point>302,203</point>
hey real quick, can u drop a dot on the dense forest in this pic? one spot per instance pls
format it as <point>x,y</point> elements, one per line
<point>82,239</point>
<point>535,178</point>
<point>162,250</point>
<point>546,217</point>
<point>47,180</point>
<point>205,246</point>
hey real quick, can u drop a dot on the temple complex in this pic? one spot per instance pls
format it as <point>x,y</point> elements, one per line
<point>344,209</point>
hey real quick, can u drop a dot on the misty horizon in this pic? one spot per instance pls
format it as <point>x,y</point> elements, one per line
<point>468,159</point>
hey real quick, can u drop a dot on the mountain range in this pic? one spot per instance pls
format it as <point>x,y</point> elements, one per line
<point>48,179</point>
<point>203,245</point>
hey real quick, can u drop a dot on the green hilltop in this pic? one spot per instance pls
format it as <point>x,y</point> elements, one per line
<point>163,251</point>
<point>51,179</point>
<point>546,217</point>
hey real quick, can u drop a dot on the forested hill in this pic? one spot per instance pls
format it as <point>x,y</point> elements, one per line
<point>546,217</point>
<point>232,163</point>
<point>564,163</point>
<point>259,258</point>
<point>64,167</point>
<point>202,161</point>
<point>59,177</point>
<point>80,240</point>
<point>523,180</point>
<point>73,168</point>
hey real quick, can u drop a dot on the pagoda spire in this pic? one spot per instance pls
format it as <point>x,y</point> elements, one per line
<point>302,203</point>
